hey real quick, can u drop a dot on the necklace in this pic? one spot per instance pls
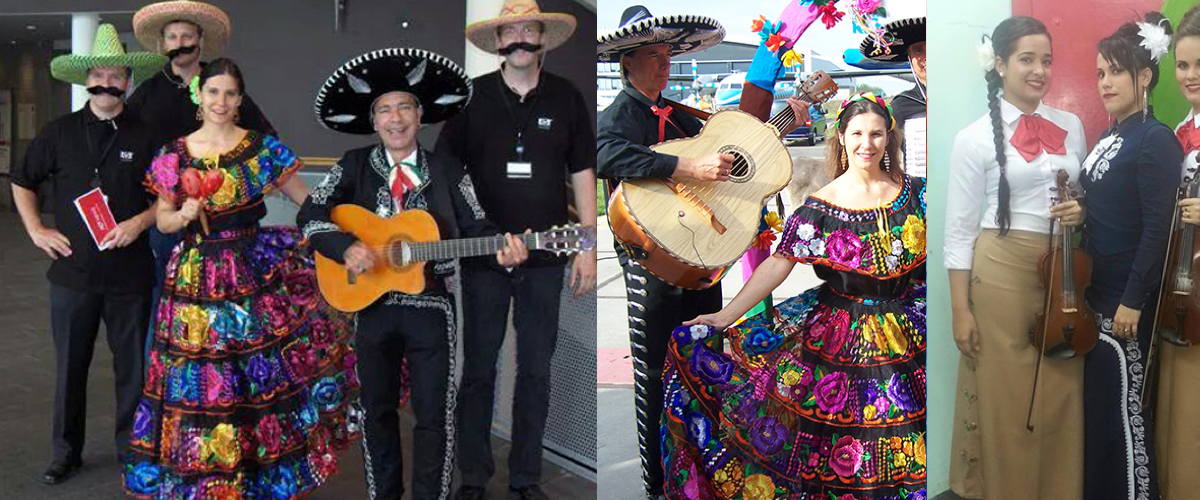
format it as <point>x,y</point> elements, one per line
<point>171,78</point>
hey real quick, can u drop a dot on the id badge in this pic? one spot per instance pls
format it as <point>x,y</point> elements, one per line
<point>520,170</point>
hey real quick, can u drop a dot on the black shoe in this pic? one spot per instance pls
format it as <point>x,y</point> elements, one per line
<point>527,493</point>
<point>58,473</point>
<point>469,493</point>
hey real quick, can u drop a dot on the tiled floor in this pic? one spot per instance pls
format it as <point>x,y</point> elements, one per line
<point>27,392</point>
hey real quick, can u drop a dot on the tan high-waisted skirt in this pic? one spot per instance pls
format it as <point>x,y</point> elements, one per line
<point>995,457</point>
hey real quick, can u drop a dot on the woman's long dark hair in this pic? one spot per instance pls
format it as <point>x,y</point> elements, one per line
<point>834,148</point>
<point>223,66</point>
<point>1004,42</point>
<point>1123,50</point>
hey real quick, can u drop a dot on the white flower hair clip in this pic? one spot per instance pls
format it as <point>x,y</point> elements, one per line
<point>1154,39</point>
<point>987,56</point>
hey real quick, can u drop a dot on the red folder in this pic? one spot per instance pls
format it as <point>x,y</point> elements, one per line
<point>93,207</point>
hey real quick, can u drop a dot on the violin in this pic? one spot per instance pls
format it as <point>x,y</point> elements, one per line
<point>1065,327</point>
<point>1177,319</point>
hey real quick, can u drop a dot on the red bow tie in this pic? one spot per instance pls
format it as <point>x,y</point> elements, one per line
<point>1035,134</point>
<point>1189,136</point>
<point>662,114</point>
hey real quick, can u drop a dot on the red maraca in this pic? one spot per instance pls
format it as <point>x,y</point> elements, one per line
<point>212,182</point>
<point>201,186</point>
<point>191,183</point>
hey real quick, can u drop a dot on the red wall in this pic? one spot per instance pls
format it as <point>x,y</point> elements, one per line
<point>1076,26</point>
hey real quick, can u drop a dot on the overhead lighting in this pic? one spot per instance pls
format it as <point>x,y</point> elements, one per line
<point>30,27</point>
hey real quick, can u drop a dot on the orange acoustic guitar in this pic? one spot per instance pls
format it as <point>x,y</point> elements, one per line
<point>689,232</point>
<point>409,239</point>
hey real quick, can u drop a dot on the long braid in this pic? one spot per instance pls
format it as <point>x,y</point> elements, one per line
<point>1003,214</point>
<point>1004,39</point>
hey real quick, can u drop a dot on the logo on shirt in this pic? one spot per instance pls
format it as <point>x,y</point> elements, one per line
<point>126,155</point>
<point>544,123</point>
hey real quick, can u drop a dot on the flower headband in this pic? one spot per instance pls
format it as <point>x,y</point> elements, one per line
<point>1154,39</point>
<point>867,96</point>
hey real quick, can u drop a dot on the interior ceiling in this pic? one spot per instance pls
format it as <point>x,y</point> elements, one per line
<point>50,27</point>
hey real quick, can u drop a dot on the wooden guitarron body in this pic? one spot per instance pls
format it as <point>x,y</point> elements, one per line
<point>404,242</point>
<point>689,233</point>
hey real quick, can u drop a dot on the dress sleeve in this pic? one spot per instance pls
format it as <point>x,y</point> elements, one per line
<point>802,239</point>
<point>1157,182</point>
<point>279,164</point>
<point>163,175</point>
<point>965,201</point>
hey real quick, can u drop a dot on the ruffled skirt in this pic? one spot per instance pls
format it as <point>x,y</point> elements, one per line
<point>822,397</point>
<point>250,374</point>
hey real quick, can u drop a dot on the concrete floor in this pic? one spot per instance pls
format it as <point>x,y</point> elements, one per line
<point>620,472</point>
<point>27,393</point>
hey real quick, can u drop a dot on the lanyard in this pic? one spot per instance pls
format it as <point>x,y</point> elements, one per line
<point>103,152</point>
<point>521,124</point>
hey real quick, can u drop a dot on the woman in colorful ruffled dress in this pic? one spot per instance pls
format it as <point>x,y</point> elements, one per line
<point>823,396</point>
<point>250,371</point>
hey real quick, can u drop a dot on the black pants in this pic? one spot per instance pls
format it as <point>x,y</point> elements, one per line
<point>75,322</point>
<point>655,309</point>
<point>487,294</point>
<point>420,329</point>
<point>1119,461</point>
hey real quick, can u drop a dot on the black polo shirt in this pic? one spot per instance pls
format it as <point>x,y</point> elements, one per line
<point>558,138</point>
<point>165,102</point>
<point>67,151</point>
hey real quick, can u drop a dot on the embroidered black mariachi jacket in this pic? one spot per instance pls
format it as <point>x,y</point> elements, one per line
<point>361,177</point>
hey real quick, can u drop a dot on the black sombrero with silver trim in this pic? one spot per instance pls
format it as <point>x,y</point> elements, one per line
<point>684,33</point>
<point>904,33</point>
<point>344,102</point>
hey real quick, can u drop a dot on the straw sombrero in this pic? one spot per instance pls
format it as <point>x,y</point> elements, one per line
<point>684,33</point>
<point>148,24</point>
<point>558,26</point>
<point>904,33</point>
<point>344,102</point>
<point>106,51</point>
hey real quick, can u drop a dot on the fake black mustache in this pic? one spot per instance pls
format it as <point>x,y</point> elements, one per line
<point>526,46</point>
<point>173,53</point>
<point>100,89</point>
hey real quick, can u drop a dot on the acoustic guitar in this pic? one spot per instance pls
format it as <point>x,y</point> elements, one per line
<point>689,232</point>
<point>409,239</point>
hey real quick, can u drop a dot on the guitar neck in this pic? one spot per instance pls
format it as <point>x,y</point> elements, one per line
<point>784,119</point>
<point>466,247</point>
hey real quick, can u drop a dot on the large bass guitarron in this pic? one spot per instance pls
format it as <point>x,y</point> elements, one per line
<point>689,232</point>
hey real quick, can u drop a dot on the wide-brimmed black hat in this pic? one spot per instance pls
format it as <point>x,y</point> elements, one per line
<point>903,33</point>
<point>684,33</point>
<point>344,102</point>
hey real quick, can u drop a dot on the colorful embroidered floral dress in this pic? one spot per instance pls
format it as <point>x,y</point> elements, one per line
<point>250,371</point>
<point>823,396</point>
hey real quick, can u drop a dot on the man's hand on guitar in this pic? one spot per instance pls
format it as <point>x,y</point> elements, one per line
<point>714,167</point>
<point>513,253</point>
<point>800,109</point>
<point>359,259</point>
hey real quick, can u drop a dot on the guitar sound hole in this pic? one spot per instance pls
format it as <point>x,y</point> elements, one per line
<point>743,163</point>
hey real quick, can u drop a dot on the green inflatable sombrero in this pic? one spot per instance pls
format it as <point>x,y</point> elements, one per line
<point>106,51</point>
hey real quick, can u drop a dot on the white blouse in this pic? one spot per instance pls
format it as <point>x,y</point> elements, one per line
<point>972,199</point>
